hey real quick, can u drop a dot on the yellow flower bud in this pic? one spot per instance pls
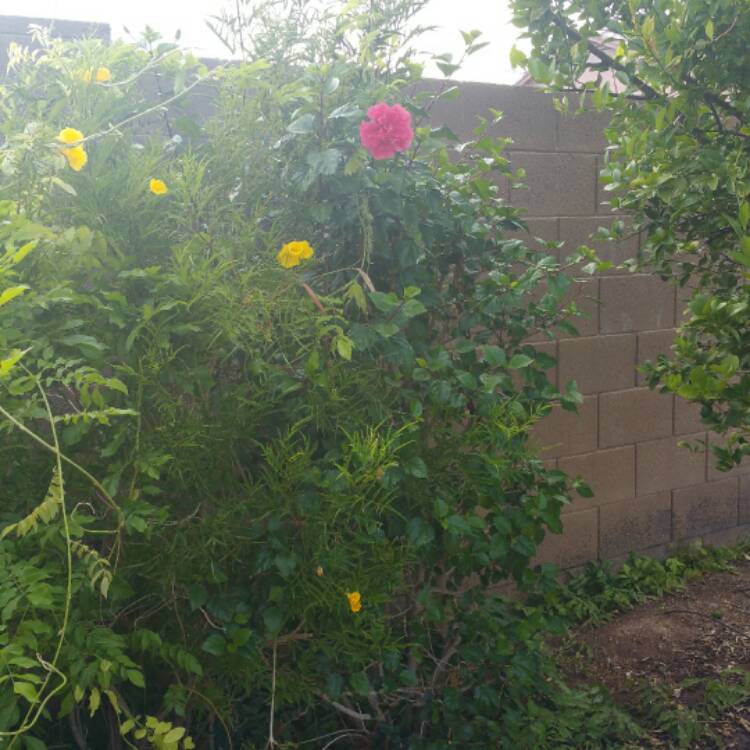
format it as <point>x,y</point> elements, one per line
<point>355,600</point>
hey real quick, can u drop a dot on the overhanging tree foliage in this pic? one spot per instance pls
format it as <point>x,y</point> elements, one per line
<point>675,74</point>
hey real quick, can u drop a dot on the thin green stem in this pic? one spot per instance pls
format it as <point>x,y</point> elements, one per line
<point>51,668</point>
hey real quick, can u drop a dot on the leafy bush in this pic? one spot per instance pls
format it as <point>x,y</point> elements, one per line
<point>679,162</point>
<point>276,396</point>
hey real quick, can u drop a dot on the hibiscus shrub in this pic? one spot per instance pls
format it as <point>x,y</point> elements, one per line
<point>266,392</point>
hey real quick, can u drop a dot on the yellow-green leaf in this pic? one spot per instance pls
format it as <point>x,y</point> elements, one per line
<point>22,252</point>
<point>7,364</point>
<point>175,735</point>
<point>12,293</point>
<point>95,700</point>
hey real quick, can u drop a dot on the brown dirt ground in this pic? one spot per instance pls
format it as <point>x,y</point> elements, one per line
<point>697,633</point>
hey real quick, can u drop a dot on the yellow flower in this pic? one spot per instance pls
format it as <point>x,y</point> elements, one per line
<point>158,187</point>
<point>103,75</point>
<point>355,600</point>
<point>69,136</point>
<point>76,156</point>
<point>294,252</point>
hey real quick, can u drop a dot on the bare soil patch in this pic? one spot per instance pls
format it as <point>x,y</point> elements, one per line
<point>669,650</point>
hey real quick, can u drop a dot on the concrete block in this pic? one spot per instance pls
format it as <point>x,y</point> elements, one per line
<point>564,433</point>
<point>664,465</point>
<point>687,417</point>
<point>610,474</point>
<point>543,229</point>
<point>635,303</point>
<point>633,416</point>
<point>582,132</point>
<point>708,507</point>
<point>585,294</point>
<point>650,345</point>
<point>557,184</point>
<point>599,363</point>
<point>576,231</point>
<point>727,536</point>
<point>576,545</point>
<point>635,524</point>
<point>529,117</point>
<point>713,473</point>
<point>659,552</point>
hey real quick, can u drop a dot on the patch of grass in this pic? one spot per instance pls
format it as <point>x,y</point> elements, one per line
<point>689,715</point>
<point>594,595</point>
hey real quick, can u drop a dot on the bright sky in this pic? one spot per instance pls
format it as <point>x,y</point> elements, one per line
<point>491,16</point>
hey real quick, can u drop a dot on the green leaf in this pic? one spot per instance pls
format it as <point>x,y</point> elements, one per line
<point>519,361</point>
<point>32,743</point>
<point>215,645</point>
<point>447,69</point>
<point>273,619</point>
<point>350,109</point>
<point>416,467</point>
<point>344,347</point>
<point>80,339</point>
<point>494,356</point>
<point>324,162</point>
<point>27,690</point>
<point>360,684</point>
<point>136,678</point>
<point>744,214</point>
<point>517,57</point>
<point>384,301</point>
<point>709,27</point>
<point>66,187</point>
<point>420,532</point>
<point>302,125</point>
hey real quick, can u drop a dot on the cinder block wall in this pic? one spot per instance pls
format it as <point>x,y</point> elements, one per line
<point>17,29</point>
<point>649,493</point>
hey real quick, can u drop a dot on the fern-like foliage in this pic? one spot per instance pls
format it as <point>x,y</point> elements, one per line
<point>46,512</point>
<point>97,567</point>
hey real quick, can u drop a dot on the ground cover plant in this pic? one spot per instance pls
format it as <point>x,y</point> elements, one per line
<point>674,77</point>
<point>265,398</point>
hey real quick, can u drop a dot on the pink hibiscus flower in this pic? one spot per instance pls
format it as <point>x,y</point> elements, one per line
<point>387,131</point>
